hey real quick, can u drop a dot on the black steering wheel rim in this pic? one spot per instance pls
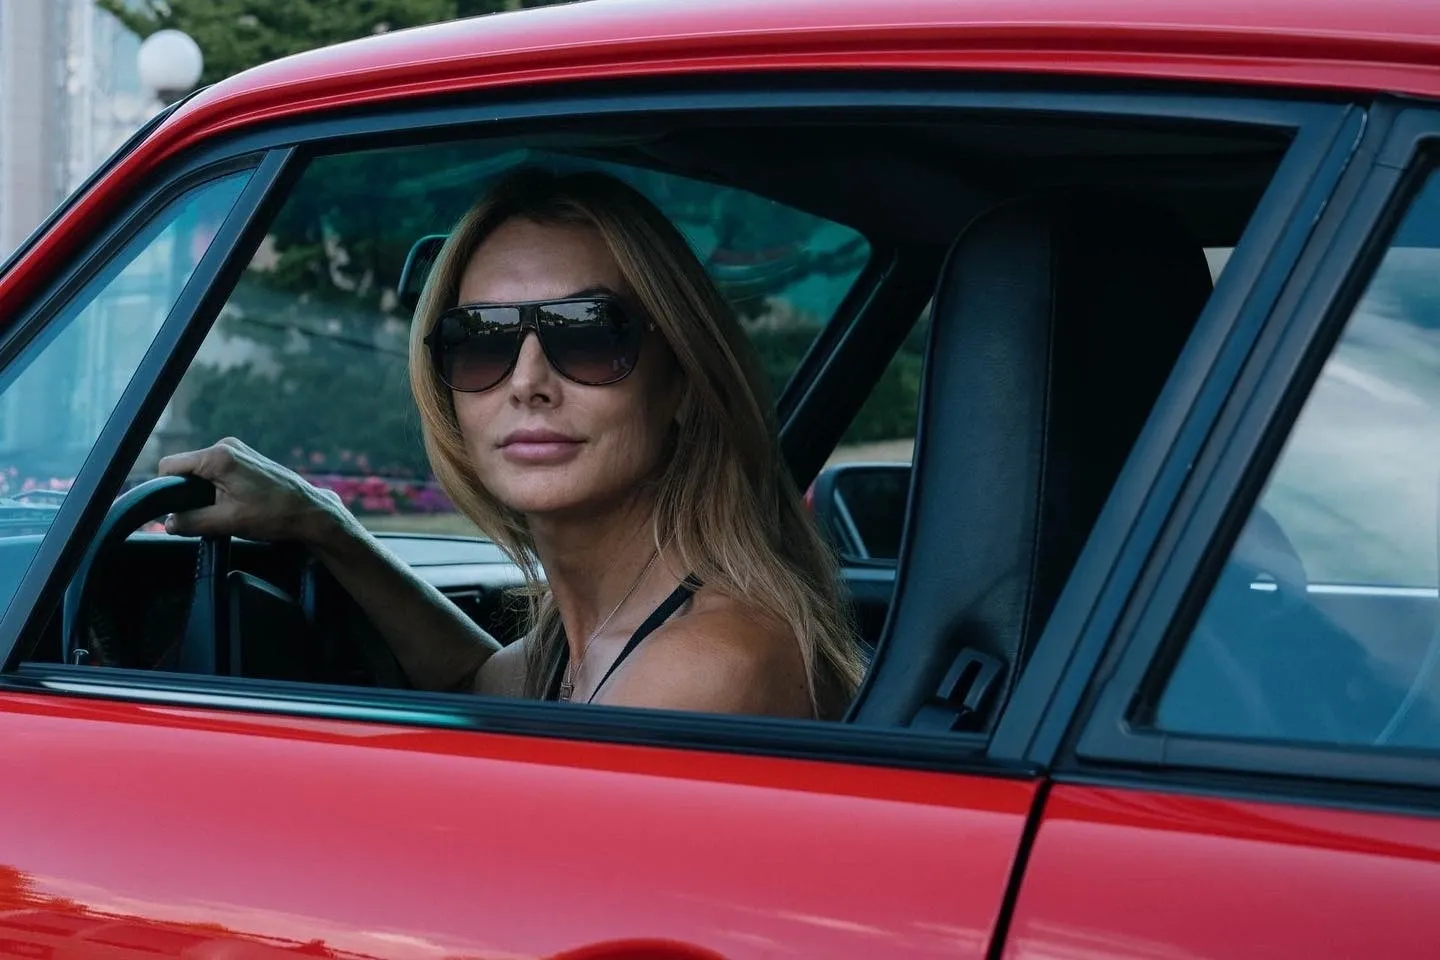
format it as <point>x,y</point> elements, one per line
<point>202,648</point>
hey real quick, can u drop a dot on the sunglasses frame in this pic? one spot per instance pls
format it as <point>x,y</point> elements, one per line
<point>529,311</point>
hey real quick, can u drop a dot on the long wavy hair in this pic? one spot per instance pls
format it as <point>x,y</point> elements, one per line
<point>725,502</point>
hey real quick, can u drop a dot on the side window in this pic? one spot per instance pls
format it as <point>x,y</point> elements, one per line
<point>1324,625</point>
<point>57,395</point>
<point>307,361</point>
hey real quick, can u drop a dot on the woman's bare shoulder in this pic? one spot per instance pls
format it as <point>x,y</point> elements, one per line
<point>720,656</point>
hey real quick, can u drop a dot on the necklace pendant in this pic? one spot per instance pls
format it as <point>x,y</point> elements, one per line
<point>567,687</point>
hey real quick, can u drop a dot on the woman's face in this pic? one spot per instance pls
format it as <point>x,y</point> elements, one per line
<point>542,444</point>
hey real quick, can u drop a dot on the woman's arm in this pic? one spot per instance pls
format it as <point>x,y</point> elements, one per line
<point>439,647</point>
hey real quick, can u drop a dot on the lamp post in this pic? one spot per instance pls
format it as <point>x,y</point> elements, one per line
<point>170,64</point>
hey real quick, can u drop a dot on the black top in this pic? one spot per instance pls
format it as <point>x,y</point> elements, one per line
<point>664,612</point>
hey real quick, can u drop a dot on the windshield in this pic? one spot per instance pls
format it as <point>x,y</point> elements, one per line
<point>307,362</point>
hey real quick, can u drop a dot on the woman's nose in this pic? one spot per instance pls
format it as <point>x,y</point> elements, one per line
<point>532,375</point>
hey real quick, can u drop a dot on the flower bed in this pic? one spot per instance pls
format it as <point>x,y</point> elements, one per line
<point>376,495</point>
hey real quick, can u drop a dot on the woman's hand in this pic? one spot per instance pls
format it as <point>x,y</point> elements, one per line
<point>255,497</point>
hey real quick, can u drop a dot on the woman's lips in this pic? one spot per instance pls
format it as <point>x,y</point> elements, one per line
<point>538,446</point>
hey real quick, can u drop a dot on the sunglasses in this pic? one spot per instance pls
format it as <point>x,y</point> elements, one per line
<point>591,340</point>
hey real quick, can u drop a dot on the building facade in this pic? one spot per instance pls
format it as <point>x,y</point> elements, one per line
<point>70,94</point>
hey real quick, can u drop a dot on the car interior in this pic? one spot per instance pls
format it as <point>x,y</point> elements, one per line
<point>1065,264</point>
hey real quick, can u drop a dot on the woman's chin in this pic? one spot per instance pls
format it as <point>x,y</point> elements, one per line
<point>541,500</point>
<point>538,497</point>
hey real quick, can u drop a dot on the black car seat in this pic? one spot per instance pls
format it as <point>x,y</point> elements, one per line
<point>1057,320</point>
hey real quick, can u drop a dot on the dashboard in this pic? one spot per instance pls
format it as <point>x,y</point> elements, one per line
<point>306,628</point>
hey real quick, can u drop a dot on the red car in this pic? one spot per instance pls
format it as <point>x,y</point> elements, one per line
<point>1152,602</point>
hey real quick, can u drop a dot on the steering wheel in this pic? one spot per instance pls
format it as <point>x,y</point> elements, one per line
<point>204,646</point>
<point>228,610</point>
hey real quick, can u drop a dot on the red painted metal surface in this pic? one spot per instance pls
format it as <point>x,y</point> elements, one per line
<point>1130,874</point>
<point>1378,45</point>
<point>152,831</point>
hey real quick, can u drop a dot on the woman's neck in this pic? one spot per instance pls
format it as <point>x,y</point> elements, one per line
<point>591,563</point>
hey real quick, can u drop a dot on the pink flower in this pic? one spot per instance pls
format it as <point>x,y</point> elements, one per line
<point>317,458</point>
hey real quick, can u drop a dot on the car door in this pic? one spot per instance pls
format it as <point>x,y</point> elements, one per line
<point>197,816</point>
<point>1258,775</point>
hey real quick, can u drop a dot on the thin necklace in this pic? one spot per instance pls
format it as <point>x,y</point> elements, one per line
<point>572,669</point>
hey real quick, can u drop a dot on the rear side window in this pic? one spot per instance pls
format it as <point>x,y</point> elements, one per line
<point>1324,625</point>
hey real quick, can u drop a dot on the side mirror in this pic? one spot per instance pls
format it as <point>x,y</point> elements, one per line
<point>418,264</point>
<point>861,508</point>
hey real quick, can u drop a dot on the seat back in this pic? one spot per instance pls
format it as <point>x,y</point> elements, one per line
<point>1056,321</point>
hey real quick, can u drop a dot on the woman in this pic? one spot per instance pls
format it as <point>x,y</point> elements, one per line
<point>589,401</point>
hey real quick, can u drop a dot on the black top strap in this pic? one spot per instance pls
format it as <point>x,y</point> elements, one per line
<point>664,612</point>
<point>657,618</point>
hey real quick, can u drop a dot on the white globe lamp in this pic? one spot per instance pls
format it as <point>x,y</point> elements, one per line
<point>170,64</point>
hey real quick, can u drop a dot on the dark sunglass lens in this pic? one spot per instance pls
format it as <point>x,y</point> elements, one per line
<point>593,342</point>
<point>474,349</point>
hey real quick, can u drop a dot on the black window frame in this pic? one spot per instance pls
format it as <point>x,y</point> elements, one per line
<point>1401,148</point>
<point>285,147</point>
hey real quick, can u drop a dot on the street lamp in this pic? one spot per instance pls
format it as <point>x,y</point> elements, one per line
<point>170,64</point>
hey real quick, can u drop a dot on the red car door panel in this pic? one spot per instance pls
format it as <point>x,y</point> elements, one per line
<point>136,830</point>
<point>1122,873</point>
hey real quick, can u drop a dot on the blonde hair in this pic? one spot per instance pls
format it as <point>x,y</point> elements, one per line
<point>725,501</point>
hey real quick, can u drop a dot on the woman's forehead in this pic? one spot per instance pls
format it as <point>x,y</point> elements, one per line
<point>525,260</point>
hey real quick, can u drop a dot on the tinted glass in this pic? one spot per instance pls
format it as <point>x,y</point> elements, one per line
<point>56,397</point>
<point>1324,625</point>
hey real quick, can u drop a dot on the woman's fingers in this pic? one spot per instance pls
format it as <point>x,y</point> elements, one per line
<point>179,464</point>
<point>211,463</point>
<point>224,460</point>
<point>205,521</point>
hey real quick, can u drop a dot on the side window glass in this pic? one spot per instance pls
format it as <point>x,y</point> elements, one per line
<point>57,395</point>
<point>1324,625</point>
<point>319,315</point>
